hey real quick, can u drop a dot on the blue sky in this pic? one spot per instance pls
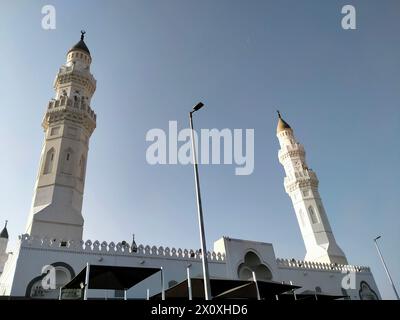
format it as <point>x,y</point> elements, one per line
<point>153,60</point>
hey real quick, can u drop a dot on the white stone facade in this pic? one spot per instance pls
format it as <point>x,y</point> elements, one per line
<point>55,225</point>
<point>22,275</point>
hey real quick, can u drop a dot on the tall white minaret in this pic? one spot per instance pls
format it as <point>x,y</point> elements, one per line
<point>68,124</point>
<point>301,184</point>
<point>3,247</point>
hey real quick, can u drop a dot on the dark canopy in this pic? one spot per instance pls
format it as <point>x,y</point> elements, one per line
<point>267,290</point>
<point>229,289</point>
<point>312,295</point>
<point>111,277</point>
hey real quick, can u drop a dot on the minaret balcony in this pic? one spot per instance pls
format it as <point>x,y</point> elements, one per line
<point>65,103</point>
<point>292,153</point>
<point>68,75</point>
<point>304,178</point>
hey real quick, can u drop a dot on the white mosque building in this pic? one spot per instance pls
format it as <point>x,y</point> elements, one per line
<point>53,235</point>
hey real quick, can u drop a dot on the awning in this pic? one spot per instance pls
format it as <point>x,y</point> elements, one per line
<point>227,289</point>
<point>311,295</point>
<point>111,277</point>
<point>267,290</point>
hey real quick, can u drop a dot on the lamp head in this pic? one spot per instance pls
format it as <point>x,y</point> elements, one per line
<point>378,237</point>
<point>198,106</point>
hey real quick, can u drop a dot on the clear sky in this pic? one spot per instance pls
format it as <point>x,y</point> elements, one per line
<point>153,60</point>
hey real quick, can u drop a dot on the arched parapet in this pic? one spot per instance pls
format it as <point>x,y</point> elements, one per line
<point>96,245</point>
<point>173,252</point>
<point>120,248</point>
<point>314,265</point>
<point>104,246</point>
<point>140,249</point>
<point>111,247</point>
<point>88,245</point>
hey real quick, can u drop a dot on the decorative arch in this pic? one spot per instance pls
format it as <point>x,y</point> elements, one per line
<point>252,263</point>
<point>366,293</point>
<point>64,273</point>
<point>49,161</point>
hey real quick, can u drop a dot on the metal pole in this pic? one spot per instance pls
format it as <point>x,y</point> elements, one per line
<point>294,293</point>
<point>125,295</point>
<point>207,290</point>
<point>386,269</point>
<point>148,294</point>
<point>189,283</point>
<point>256,284</point>
<point>162,285</point>
<point>60,296</point>
<point>86,281</point>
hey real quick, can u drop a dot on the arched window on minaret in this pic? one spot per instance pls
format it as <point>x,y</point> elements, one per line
<point>301,214</point>
<point>67,164</point>
<point>313,215</point>
<point>82,164</point>
<point>48,164</point>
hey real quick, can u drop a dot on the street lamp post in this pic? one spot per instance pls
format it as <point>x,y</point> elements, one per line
<point>206,277</point>
<point>384,265</point>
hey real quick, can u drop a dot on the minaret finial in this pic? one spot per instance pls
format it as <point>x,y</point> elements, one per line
<point>279,114</point>
<point>83,34</point>
<point>6,224</point>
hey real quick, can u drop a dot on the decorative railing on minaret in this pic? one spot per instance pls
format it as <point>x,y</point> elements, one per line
<point>68,123</point>
<point>301,184</point>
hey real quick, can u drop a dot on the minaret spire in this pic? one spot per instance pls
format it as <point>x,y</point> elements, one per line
<point>301,184</point>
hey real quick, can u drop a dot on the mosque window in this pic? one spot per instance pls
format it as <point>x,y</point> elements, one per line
<point>67,167</point>
<point>313,215</point>
<point>301,214</point>
<point>48,164</point>
<point>82,164</point>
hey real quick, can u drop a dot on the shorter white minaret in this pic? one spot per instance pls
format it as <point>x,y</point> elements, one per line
<point>301,184</point>
<point>3,248</point>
